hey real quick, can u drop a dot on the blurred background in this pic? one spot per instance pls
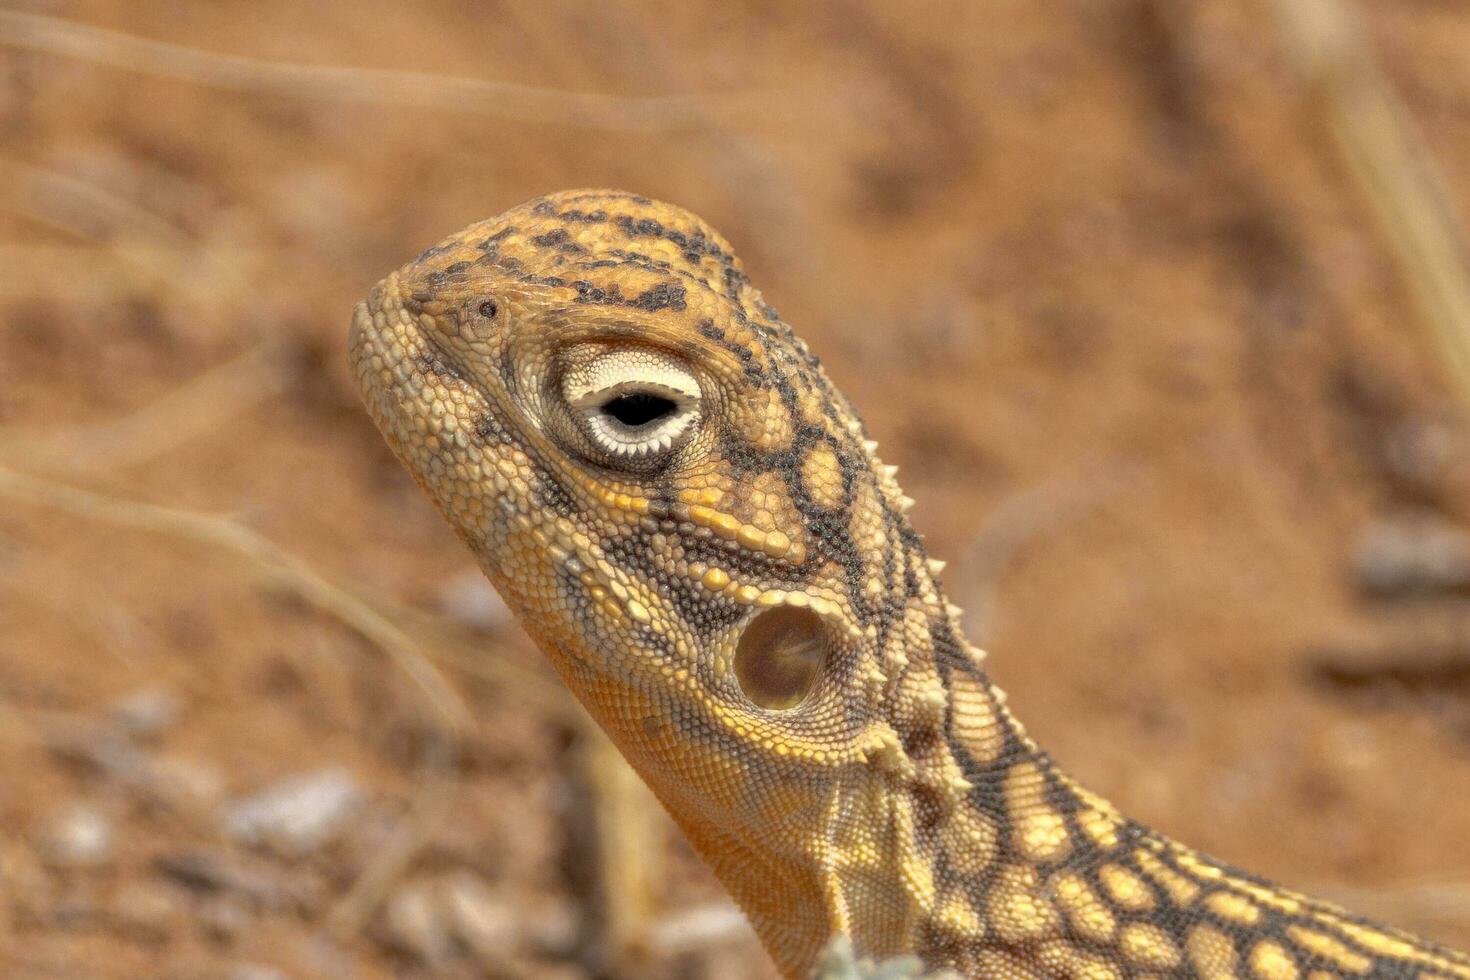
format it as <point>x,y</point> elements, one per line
<point>1154,304</point>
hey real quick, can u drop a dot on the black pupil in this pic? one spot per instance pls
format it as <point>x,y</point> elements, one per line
<point>638,408</point>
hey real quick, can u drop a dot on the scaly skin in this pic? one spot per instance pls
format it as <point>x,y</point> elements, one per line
<point>745,609</point>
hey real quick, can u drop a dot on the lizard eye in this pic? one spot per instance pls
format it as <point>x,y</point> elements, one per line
<point>633,404</point>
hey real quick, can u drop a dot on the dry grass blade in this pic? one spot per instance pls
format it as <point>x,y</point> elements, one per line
<point>144,241</point>
<point>1423,906</point>
<point>1390,164</point>
<point>432,804</point>
<point>625,824</point>
<point>46,271</point>
<point>1020,519</point>
<point>203,403</point>
<point>83,208</point>
<point>57,36</point>
<point>698,927</point>
<point>464,650</point>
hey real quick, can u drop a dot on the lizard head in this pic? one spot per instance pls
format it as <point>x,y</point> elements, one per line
<point>687,516</point>
<point>676,502</point>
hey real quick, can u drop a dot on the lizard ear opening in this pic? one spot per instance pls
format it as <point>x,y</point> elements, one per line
<point>780,655</point>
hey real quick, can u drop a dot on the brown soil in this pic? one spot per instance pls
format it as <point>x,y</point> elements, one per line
<point>1091,270</point>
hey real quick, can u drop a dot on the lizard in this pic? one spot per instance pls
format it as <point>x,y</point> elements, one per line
<point>693,524</point>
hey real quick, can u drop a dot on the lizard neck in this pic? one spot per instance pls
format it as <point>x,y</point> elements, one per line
<point>956,837</point>
<point>935,837</point>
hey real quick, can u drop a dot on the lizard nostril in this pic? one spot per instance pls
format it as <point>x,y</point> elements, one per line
<point>780,655</point>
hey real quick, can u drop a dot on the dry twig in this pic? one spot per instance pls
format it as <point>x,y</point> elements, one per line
<point>1392,167</point>
<point>148,243</point>
<point>1423,906</point>
<point>57,36</point>
<point>625,822</point>
<point>204,402</point>
<point>43,271</point>
<point>1020,519</point>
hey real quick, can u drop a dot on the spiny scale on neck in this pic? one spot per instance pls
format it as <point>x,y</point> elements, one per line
<point>739,599</point>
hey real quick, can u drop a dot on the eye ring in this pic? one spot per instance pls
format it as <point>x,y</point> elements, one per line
<point>489,309</point>
<point>634,406</point>
<point>636,420</point>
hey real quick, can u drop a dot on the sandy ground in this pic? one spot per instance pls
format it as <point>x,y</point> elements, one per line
<point>1091,269</point>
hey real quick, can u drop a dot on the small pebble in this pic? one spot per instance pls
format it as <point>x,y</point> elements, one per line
<point>77,836</point>
<point>297,815</point>
<point>839,963</point>
<point>470,599</point>
<point>215,873</point>
<point>223,918</point>
<point>145,715</point>
<point>1420,449</point>
<point>254,971</point>
<point>1413,553</point>
<point>100,751</point>
<point>554,927</point>
<point>167,782</point>
<point>485,924</point>
<point>456,914</point>
<point>182,785</point>
<point>412,923</point>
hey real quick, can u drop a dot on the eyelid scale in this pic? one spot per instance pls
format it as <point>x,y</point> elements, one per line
<point>601,396</point>
<point>638,369</point>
